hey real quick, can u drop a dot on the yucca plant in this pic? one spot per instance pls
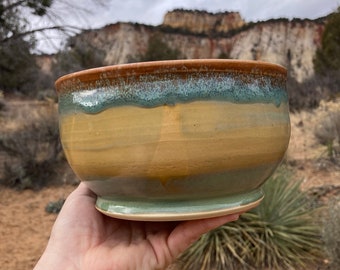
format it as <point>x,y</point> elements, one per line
<point>281,233</point>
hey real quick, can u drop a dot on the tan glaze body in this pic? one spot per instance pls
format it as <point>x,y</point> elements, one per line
<point>174,141</point>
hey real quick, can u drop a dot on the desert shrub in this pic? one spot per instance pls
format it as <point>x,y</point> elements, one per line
<point>2,104</point>
<point>309,93</point>
<point>331,233</point>
<point>224,55</point>
<point>281,233</point>
<point>327,131</point>
<point>32,152</point>
<point>54,207</point>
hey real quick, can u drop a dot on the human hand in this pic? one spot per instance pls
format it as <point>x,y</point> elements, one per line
<point>82,238</point>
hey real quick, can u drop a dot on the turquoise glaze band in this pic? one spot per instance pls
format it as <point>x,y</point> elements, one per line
<point>149,91</point>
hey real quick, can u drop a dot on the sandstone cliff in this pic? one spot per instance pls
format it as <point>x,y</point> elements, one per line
<point>290,43</point>
<point>205,35</point>
<point>203,22</point>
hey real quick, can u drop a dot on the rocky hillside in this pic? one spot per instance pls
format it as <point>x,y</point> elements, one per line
<point>200,34</point>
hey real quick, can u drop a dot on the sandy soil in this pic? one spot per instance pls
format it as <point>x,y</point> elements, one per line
<point>307,157</point>
<point>25,226</point>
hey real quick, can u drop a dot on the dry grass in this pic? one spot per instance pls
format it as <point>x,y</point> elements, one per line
<point>331,233</point>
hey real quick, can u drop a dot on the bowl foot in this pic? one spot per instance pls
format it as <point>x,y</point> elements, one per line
<point>173,210</point>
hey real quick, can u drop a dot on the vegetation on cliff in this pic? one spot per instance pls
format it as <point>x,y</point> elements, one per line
<point>327,57</point>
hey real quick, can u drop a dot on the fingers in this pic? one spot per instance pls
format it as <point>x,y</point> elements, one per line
<point>188,232</point>
<point>83,190</point>
<point>81,200</point>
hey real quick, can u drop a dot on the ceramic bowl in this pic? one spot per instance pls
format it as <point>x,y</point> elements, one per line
<point>175,140</point>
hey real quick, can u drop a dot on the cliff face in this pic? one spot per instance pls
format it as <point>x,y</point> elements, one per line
<point>121,42</point>
<point>289,43</point>
<point>203,22</point>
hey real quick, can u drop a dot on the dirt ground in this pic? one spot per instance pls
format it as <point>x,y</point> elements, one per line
<point>25,226</point>
<point>306,156</point>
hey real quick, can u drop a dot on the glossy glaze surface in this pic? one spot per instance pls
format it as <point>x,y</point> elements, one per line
<point>174,133</point>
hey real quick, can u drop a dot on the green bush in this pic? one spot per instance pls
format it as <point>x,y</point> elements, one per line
<point>327,57</point>
<point>281,233</point>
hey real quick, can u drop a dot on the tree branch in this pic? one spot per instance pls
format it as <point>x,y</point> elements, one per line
<point>65,28</point>
<point>13,5</point>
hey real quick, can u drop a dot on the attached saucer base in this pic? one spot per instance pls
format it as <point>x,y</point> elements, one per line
<point>158,210</point>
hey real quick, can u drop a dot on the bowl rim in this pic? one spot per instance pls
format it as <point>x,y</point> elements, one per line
<point>172,66</point>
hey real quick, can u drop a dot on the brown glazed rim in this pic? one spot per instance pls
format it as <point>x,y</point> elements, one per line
<point>172,66</point>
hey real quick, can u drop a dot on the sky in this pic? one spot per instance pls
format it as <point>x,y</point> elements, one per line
<point>98,13</point>
<point>152,11</point>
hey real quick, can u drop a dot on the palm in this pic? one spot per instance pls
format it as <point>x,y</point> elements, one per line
<point>137,244</point>
<point>94,241</point>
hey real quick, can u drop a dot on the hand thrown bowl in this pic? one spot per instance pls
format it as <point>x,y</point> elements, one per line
<point>175,140</point>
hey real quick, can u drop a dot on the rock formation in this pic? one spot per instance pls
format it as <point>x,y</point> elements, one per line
<point>199,34</point>
<point>202,22</point>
